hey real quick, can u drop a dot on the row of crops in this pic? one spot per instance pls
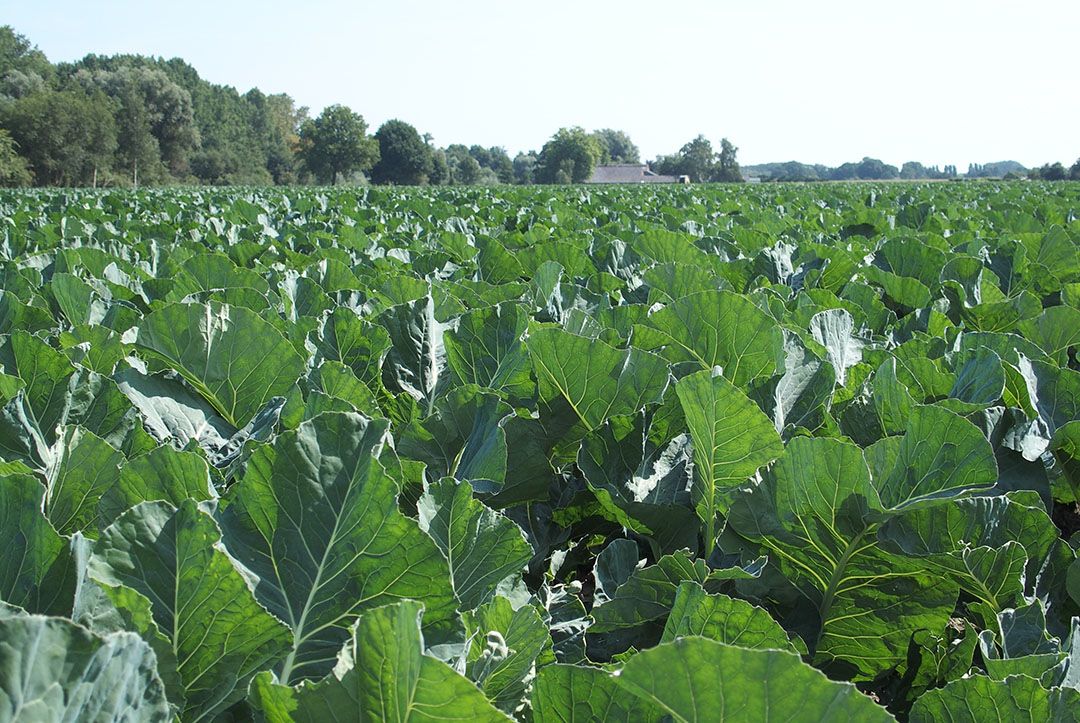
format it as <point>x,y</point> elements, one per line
<point>639,454</point>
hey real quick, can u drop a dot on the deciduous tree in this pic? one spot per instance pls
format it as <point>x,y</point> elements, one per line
<point>569,157</point>
<point>335,145</point>
<point>616,147</point>
<point>695,159</point>
<point>727,168</point>
<point>525,168</point>
<point>67,137</point>
<point>13,168</point>
<point>404,157</point>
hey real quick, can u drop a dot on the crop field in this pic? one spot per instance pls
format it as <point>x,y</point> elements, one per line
<point>546,454</point>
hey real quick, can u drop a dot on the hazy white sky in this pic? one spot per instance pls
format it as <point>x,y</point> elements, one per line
<point>938,81</point>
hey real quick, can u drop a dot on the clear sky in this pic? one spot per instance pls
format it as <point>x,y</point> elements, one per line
<point>938,81</point>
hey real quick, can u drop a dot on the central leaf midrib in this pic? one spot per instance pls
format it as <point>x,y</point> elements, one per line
<point>298,630</point>
<point>838,575</point>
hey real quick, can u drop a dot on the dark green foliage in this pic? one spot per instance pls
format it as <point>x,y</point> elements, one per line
<point>335,146</point>
<point>569,157</point>
<point>525,168</point>
<point>440,169</point>
<point>169,124</point>
<point>616,147</point>
<point>68,137</point>
<point>404,158</point>
<point>462,168</point>
<point>866,169</point>
<point>727,169</point>
<point>477,165</point>
<point>1050,172</point>
<point>999,169</point>
<point>914,171</point>
<point>695,159</point>
<point>789,171</point>
<point>159,107</point>
<point>13,168</point>
<point>495,160</point>
<point>23,68</point>
<point>870,169</point>
<point>701,163</point>
<point>155,122</point>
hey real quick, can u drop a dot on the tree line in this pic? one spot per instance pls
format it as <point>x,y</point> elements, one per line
<point>129,120</point>
<point>873,169</point>
<point>1056,172</point>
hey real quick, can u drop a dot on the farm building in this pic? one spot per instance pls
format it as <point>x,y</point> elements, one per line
<point>631,173</point>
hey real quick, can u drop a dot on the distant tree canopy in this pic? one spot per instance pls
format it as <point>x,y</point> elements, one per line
<point>335,146</point>
<point>1055,172</point>
<point>913,171</point>
<point>496,160</point>
<point>154,116</point>
<point>477,165</point>
<point>868,169</point>
<point>462,168</point>
<point>404,158</point>
<point>135,120</point>
<point>525,167</point>
<point>14,170</point>
<point>23,68</point>
<point>569,157</point>
<point>790,171</point>
<point>998,169</point>
<point>67,137</point>
<point>166,124</point>
<point>616,147</point>
<point>727,168</point>
<point>701,163</point>
<point>440,169</point>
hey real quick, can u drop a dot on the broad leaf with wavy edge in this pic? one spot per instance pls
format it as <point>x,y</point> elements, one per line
<point>482,546</point>
<point>716,328</point>
<point>818,516</point>
<point>597,380</point>
<point>416,360</point>
<point>696,679</point>
<point>54,394</point>
<point>86,467</point>
<point>989,545</point>
<point>37,573</point>
<point>940,456</point>
<point>507,646</point>
<point>978,699</point>
<point>315,518</point>
<point>54,670</point>
<point>463,439</point>
<point>724,619</point>
<point>732,440</point>
<point>381,675</point>
<point>344,337</point>
<point>233,357</point>
<point>648,593</point>
<point>163,473</point>
<point>576,694</point>
<point>486,349</point>
<point>833,329</point>
<point>200,602</point>
<point>640,483</point>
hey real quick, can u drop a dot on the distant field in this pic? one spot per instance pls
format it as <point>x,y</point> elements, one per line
<point>552,453</point>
